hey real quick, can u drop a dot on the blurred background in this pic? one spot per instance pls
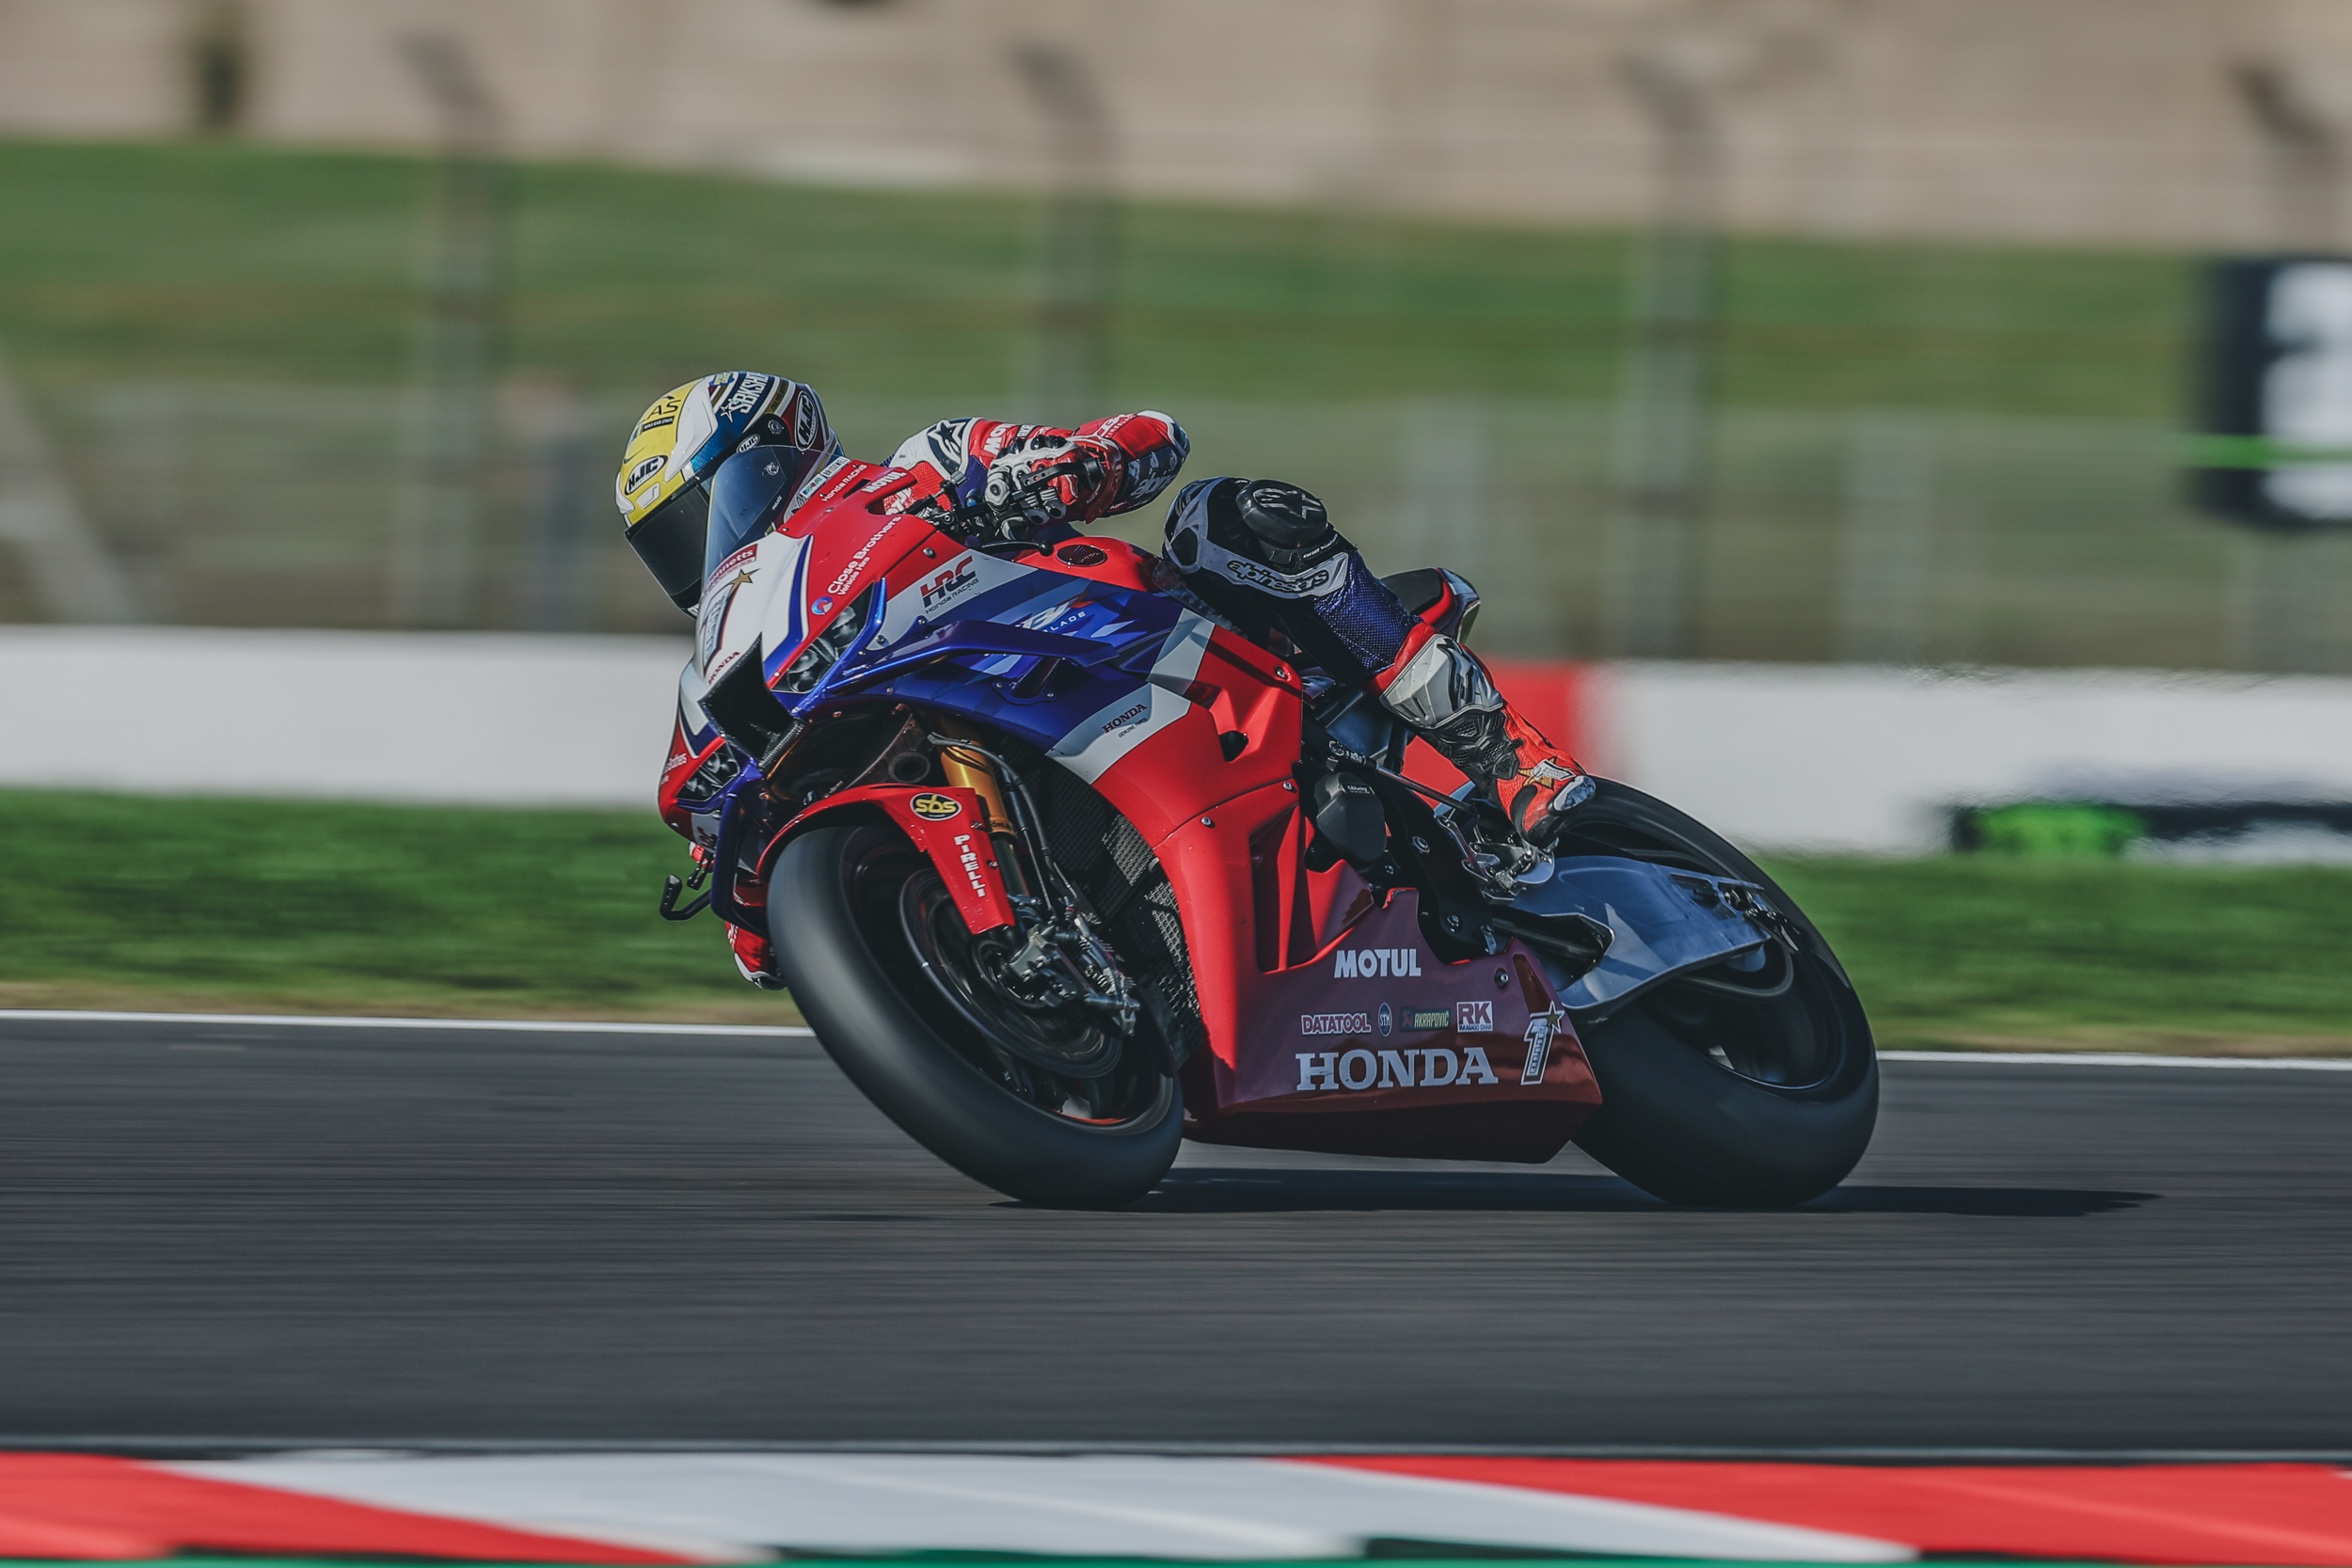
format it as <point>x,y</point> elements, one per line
<point>1863,341</point>
<point>1769,329</point>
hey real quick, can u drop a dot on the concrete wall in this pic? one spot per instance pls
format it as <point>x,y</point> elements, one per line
<point>1872,760</point>
<point>2080,121</point>
<point>483,718</point>
<point>1846,758</point>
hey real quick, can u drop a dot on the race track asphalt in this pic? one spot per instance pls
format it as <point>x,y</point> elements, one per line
<point>355,1236</point>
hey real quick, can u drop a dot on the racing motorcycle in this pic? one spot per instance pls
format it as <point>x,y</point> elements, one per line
<point>1062,870</point>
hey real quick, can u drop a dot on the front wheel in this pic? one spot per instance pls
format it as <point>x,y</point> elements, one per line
<point>1043,1106</point>
<point>1745,1089</point>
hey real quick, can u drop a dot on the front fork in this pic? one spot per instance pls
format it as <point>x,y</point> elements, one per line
<point>968,767</point>
<point>1060,959</point>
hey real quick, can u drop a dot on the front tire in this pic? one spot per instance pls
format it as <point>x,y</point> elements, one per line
<point>877,983</point>
<point>1723,1088</point>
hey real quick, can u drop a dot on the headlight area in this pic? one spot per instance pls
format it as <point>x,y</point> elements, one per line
<point>751,714</point>
<point>802,676</point>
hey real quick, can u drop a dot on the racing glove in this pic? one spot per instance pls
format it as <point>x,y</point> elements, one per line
<point>1054,479</point>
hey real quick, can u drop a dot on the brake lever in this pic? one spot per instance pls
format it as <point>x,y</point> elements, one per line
<point>671,888</point>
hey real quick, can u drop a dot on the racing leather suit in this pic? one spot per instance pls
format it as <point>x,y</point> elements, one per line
<point>1263,556</point>
<point>1258,554</point>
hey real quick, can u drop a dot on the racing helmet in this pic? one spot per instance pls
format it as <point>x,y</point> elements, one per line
<point>663,487</point>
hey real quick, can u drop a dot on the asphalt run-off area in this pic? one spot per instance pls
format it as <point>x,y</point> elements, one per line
<point>244,1230</point>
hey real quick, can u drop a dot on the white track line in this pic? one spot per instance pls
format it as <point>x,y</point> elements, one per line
<point>518,1026</point>
<point>2122,1058</point>
<point>788,1030</point>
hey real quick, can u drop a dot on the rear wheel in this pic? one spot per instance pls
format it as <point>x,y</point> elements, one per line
<point>1049,1105</point>
<point>1748,1088</point>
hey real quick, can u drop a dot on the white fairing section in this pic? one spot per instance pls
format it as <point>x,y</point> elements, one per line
<point>739,602</point>
<point>959,577</point>
<point>692,689</point>
<point>1096,746</point>
<point>783,610</point>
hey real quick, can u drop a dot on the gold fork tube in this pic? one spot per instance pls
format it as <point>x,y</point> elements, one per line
<point>966,770</point>
<point>972,771</point>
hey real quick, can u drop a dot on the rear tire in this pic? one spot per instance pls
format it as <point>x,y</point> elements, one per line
<point>1724,1089</point>
<point>912,1047</point>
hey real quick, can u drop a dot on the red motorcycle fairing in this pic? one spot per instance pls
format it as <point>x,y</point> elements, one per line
<point>945,823</point>
<point>686,759</point>
<point>1331,1024</point>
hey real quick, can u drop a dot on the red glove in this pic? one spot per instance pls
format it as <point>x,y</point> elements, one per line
<point>1054,479</point>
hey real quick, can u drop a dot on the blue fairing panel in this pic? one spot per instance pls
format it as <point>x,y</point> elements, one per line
<point>1035,658</point>
<point>1663,922</point>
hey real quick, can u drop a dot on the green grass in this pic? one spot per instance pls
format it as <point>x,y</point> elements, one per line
<point>117,900</point>
<point>217,261</point>
<point>1994,949</point>
<point>313,907</point>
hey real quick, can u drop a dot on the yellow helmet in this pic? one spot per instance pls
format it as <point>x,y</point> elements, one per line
<point>663,487</point>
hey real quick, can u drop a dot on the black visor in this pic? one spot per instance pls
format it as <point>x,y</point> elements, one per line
<point>746,494</point>
<point>669,540</point>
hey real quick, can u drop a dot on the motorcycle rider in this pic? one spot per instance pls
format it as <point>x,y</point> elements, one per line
<point>1259,554</point>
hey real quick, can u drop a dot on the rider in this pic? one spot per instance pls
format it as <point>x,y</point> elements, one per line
<point>1259,554</point>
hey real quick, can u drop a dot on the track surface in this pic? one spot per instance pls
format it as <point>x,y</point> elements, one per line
<point>273,1232</point>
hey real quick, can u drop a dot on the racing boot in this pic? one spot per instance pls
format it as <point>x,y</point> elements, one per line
<point>754,958</point>
<point>1441,689</point>
<point>1260,549</point>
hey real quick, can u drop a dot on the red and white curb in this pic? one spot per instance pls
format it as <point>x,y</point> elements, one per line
<point>681,1508</point>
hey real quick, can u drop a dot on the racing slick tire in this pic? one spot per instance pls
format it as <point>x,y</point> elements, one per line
<point>1723,1090</point>
<point>867,983</point>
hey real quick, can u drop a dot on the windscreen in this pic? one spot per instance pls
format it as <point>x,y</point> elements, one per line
<point>747,493</point>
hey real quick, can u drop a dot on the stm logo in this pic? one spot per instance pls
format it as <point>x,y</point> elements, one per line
<point>1376,963</point>
<point>952,580</point>
<point>1414,1067</point>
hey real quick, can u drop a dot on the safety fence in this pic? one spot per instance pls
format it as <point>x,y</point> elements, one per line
<point>1875,535</point>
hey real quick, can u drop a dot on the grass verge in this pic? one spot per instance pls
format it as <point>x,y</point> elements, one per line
<point>222,260</point>
<point>214,905</point>
<point>207,905</point>
<point>2006,952</point>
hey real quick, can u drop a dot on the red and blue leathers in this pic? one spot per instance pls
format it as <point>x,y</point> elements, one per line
<point>1264,556</point>
<point>1259,554</point>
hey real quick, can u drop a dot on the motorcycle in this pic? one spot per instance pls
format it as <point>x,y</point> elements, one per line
<point>1061,870</point>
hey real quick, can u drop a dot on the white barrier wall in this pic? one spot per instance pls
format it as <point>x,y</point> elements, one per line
<point>1872,760</point>
<point>486,717</point>
<point>1781,757</point>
